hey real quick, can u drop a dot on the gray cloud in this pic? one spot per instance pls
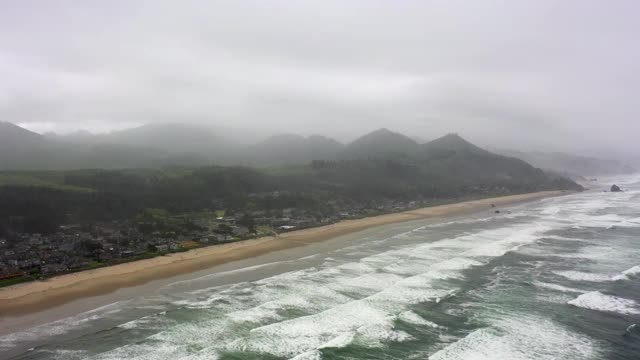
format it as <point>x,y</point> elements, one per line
<point>537,74</point>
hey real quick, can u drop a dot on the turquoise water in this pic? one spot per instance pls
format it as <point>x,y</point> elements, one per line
<point>553,279</point>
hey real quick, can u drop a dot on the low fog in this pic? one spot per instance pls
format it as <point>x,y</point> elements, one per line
<point>529,75</point>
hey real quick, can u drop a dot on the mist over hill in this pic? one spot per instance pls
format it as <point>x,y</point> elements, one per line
<point>380,162</point>
<point>376,170</point>
<point>381,143</point>
<point>174,144</point>
<point>291,149</point>
<point>571,165</point>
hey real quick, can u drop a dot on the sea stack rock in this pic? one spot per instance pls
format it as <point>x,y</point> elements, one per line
<point>615,188</point>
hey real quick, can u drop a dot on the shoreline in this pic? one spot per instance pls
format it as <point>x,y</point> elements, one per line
<point>31,297</point>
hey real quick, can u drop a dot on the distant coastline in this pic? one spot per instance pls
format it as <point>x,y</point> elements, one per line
<point>39,295</point>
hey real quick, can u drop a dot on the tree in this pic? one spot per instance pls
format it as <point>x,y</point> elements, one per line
<point>89,246</point>
<point>224,229</point>
<point>247,221</point>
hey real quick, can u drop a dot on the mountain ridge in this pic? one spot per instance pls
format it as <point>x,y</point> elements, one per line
<point>167,144</point>
<point>381,143</point>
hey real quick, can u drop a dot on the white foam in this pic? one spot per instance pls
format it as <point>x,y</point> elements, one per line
<point>375,335</point>
<point>60,354</point>
<point>413,318</point>
<point>551,210</point>
<point>370,320</point>
<point>225,273</point>
<point>299,335</point>
<point>300,295</point>
<point>202,355</point>
<point>519,338</point>
<point>202,304</point>
<point>359,267</point>
<point>557,287</point>
<point>410,232</point>
<point>583,276</point>
<point>60,327</point>
<point>369,282</point>
<point>154,321</point>
<point>309,355</point>
<point>603,221</point>
<point>339,341</point>
<point>589,252</point>
<point>156,351</point>
<point>628,274</point>
<point>596,300</point>
<point>463,222</point>
<point>199,334</point>
<point>509,239</point>
<point>565,238</point>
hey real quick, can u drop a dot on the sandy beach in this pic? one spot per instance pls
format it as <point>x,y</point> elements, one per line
<point>39,295</point>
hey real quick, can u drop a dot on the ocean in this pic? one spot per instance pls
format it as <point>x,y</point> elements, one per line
<point>557,278</point>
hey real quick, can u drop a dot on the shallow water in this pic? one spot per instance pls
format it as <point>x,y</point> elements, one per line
<point>553,279</point>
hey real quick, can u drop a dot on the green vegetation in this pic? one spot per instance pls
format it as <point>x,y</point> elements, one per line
<point>52,180</point>
<point>15,280</point>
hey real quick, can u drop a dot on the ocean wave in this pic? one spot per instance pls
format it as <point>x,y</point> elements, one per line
<point>150,322</point>
<point>628,274</point>
<point>389,282</point>
<point>156,350</point>
<point>551,210</point>
<point>607,221</point>
<point>225,273</point>
<point>309,355</point>
<point>583,276</point>
<point>60,327</point>
<point>461,222</point>
<point>415,319</point>
<point>303,334</point>
<point>588,252</point>
<point>340,341</point>
<point>564,238</point>
<point>519,338</point>
<point>596,300</point>
<point>557,287</point>
<point>509,239</point>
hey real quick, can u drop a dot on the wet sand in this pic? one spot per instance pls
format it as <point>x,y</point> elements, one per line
<point>40,295</point>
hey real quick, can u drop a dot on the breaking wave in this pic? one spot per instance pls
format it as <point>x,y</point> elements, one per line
<point>596,300</point>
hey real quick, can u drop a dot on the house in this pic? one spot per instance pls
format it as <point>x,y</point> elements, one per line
<point>286,227</point>
<point>240,230</point>
<point>288,212</point>
<point>188,244</point>
<point>35,240</point>
<point>52,268</point>
<point>222,237</point>
<point>162,247</point>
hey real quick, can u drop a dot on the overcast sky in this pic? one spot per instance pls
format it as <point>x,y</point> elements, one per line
<point>538,74</point>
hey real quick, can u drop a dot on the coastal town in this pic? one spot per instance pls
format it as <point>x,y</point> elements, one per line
<point>82,246</point>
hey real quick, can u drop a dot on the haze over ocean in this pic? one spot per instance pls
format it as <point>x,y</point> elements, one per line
<point>553,279</point>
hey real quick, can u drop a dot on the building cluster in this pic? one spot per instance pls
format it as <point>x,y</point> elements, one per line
<point>83,246</point>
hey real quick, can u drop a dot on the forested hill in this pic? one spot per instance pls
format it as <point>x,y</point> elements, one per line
<point>381,144</point>
<point>448,168</point>
<point>190,145</point>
